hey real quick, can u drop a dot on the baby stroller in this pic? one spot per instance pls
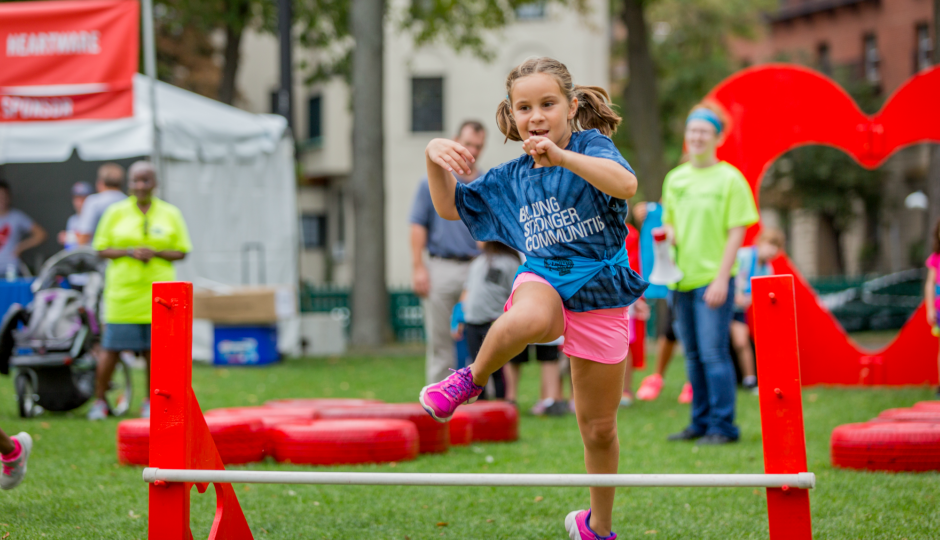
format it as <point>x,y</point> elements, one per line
<point>49,342</point>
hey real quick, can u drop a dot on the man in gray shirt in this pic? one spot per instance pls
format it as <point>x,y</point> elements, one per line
<point>109,183</point>
<point>450,247</point>
<point>18,232</point>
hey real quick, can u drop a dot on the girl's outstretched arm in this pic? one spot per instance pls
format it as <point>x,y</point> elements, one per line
<point>604,174</point>
<point>445,156</point>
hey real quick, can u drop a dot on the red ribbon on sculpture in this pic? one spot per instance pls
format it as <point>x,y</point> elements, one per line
<point>65,60</point>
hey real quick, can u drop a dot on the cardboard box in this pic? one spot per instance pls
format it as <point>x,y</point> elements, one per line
<point>245,305</point>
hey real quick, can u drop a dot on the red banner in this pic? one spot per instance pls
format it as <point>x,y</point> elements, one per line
<point>68,59</point>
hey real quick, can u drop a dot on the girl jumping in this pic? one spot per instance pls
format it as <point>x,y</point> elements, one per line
<point>563,205</point>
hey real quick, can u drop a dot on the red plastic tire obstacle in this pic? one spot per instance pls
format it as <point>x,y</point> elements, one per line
<point>319,403</point>
<point>435,436</point>
<point>493,421</point>
<point>887,446</point>
<point>461,429</point>
<point>133,441</point>
<point>334,442</point>
<point>927,406</point>
<point>910,415</point>
<point>239,440</point>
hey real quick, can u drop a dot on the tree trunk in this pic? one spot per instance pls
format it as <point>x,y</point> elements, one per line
<point>370,312</point>
<point>933,171</point>
<point>231,56</point>
<point>642,103</point>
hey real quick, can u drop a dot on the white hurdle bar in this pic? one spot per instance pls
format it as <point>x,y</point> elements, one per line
<point>804,480</point>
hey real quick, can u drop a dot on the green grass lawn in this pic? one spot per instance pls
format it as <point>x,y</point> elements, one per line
<point>76,490</point>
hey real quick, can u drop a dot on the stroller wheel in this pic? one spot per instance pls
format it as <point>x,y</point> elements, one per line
<point>26,397</point>
<point>120,389</point>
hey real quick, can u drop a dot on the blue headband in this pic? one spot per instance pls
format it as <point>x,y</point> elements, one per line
<point>707,115</point>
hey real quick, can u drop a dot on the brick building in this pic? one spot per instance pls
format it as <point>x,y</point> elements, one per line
<point>881,42</point>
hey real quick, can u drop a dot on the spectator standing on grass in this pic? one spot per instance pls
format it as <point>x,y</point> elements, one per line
<point>18,233</point>
<point>451,248</point>
<point>932,287</point>
<point>651,217</point>
<point>639,311</point>
<point>708,205</point>
<point>753,261</point>
<point>109,183</point>
<point>489,284</point>
<point>14,452</point>
<point>141,236</point>
<point>69,237</point>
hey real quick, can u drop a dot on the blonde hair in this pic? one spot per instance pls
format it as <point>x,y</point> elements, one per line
<point>594,110</point>
<point>773,236</point>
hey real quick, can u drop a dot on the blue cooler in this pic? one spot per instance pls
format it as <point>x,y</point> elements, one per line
<point>245,345</point>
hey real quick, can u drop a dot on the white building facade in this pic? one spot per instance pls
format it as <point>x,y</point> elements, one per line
<point>429,92</point>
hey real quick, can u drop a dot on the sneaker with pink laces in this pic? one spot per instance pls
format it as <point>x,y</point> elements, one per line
<point>441,400</point>
<point>650,388</point>
<point>685,396</point>
<point>577,524</point>
<point>14,465</point>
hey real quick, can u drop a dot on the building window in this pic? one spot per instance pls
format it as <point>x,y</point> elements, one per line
<point>922,59</point>
<point>314,117</point>
<point>532,11</point>
<point>273,97</point>
<point>871,61</point>
<point>823,60</point>
<point>313,229</point>
<point>427,104</point>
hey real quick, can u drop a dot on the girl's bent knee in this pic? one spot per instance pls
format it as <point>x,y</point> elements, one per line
<point>600,433</point>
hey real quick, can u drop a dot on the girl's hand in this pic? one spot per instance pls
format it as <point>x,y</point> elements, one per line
<point>642,310</point>
<point>932,316</point>
<point>449,155</point>
<point>544,151</point>
<point>716,293</point>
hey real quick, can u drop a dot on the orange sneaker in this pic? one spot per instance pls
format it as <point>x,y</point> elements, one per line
<point>685,396</point>
<point>650,388</point>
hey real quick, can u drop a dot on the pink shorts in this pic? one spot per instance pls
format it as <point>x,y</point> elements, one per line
<point>602,335</point>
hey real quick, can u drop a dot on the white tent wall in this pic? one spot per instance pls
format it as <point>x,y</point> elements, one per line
<point>229,171</point>
<point>231,204</point>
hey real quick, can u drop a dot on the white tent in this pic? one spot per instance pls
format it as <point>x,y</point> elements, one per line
<point>230,172</point>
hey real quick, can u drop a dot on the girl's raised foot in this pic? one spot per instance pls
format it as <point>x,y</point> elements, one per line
<point>441,400</point>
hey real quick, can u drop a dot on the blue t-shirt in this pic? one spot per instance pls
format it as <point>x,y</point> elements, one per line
<point>446,238</point>
<point>552,213</point>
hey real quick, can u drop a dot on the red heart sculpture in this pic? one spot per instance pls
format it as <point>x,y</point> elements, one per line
<point>775,108</point>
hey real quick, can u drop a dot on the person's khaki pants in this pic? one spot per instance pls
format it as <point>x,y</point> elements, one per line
<point>447,281</point>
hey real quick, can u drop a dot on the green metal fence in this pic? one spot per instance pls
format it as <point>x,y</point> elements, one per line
<point>859,303</point>
<point>406,315</point>
<point>872,302</point>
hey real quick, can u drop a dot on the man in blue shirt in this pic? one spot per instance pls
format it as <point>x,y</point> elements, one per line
<point>440,279</point>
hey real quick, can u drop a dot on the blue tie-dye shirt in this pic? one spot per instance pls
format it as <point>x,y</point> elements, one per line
<point>552,213</point>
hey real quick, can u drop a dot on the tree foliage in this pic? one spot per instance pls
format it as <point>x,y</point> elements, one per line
<point>691,52</point>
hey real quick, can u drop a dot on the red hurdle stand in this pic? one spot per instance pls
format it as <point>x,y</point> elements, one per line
<point>781,403</point>
<point>179,437</point>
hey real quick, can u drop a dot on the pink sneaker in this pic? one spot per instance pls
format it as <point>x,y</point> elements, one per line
<point>576,523</point>
<point>685,396</point>
<point>441,400</point>
<point>650,388</point>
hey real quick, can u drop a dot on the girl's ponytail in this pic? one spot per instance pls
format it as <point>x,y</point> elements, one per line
<point>594,111</point>
<point>505,121</point>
